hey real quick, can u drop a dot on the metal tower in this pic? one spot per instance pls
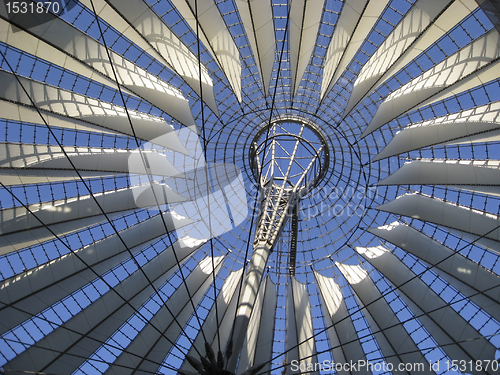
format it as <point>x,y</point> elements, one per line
<point>288,160</point>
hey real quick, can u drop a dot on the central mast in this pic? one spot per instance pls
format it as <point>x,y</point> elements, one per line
<point>288,160</point>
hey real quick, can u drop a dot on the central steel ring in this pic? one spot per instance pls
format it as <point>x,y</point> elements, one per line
<point>289,151</point>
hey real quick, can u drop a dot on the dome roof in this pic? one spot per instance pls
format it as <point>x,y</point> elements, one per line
<point>149,147</point>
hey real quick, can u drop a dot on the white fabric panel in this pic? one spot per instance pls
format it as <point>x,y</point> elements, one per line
<point>292,355</point>
<point>43,286</point>
<point>305,17</point>
<point>141,25</point>
<point>226,307</point>
<point>487,190</point>
<point>257,18</point>
<point>10,177</point>
<point>488,73</point>
<point>149,339</point>
<point>346,347</point>
<point>462,127</point>
<point>227,322</point>
<point>465,275</point>
<point>147,86</point>
<point>299,328</point>
<point>264,345</point>
<point>383,343</point>
<point>86,49</point>
<point>344,28</point>
<point>445,325</point>
<point>490,136</point>
<point>396,339</point>
<point>477,176</point>
<point>94,159</point>
<point>100,319</point>
<point>258,344</point>
<point>198,281</point>
<point>11,111</point>
<point>22,227</point>
<point>53,212</point>
<point>469,59</point>
<point>414,138</point>
<point>446,172</point>
<point>421,14</point>
<point>39,48</point>
<point>253,278</point>
<point>215,36</point>
<point>80,107</point>
<point>449,215</point>
<point>447,20</point>
<point>352,32</point>
<point>38,234</point>
<point>108,14</point>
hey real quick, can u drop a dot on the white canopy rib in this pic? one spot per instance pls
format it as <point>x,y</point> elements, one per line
<point>394,341</point>
<point>411,28</point>
<point>446,214</point>
<point>344,341</point>
<point>99,320</point>
<point>179,304</point>
<point>355,23</point>
<point>475,125</point>
<point>43,286</point>
<point>299,344</point>
<point>449,77</point>
<point>456,336</point>
<point>465,275</point>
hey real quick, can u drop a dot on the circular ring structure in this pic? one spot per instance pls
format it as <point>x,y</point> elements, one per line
<point>302,144</point>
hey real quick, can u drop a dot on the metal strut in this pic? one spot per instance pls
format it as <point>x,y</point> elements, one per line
<point>293,240</point>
